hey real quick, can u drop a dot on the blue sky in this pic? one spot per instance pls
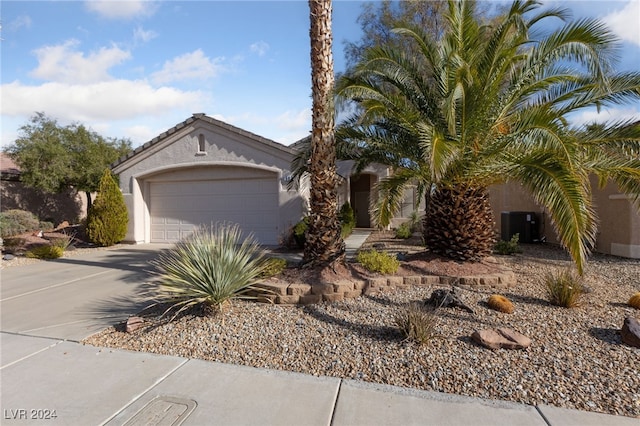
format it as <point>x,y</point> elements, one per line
<point>132,69</point>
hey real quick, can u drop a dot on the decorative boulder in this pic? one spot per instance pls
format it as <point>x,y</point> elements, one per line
<point>133,324</point>
<point>442,298</point>
<point>631,332</point>
<point>504,338</point>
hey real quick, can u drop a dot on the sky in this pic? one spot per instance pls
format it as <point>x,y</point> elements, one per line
<point>133,69</point>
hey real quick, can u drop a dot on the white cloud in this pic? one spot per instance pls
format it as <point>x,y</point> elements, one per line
<point>64,64</point>
<point>609,114</point>
<point>22,21</point>
<point>295,121</point>
<point>626,22</point>
<point>190,66</point>
<point>260,48</point>
<point>121,9</point>
<point>112,100</point>
<point>140,35</point>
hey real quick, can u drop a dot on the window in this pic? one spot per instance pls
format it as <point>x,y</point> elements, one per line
<point>201,145</point>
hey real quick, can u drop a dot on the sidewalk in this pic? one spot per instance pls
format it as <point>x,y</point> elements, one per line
<point>85,385</point>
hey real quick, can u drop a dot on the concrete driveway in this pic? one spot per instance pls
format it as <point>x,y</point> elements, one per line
<point>72,298</point>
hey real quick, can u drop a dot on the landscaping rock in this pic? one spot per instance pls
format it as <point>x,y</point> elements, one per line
<point>134,323</point>
<point>498,338</point>
<point>631,332</point>
<point>8,257</point>
<point>447,299</point>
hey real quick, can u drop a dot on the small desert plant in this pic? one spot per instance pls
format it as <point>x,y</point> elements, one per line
<point>209,267</point>
<point>300,231</point>
<point>564,288</point>
<point>45,252</point>
<point>376,261</point>
<point>273,266</point>
<point>107,219</point>
<point>14,222</point>
<point>508,247</point>
<point>500,303</point>
<point>347,219</point>
<point>634,301</point>
<point>417,322</point>
<point>403,231</point>
<point>415,222</point>
<point>63,242</point>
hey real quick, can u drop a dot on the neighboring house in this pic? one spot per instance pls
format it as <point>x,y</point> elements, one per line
<point>56,208</point>
<point>204,171</point>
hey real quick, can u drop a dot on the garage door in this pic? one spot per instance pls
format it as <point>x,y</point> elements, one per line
<point>178,207</point>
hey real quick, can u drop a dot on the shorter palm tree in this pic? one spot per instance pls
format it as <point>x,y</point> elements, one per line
<point>487,104</point>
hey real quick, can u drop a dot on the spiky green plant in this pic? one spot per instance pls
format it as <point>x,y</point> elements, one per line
<point>564,288</point>
<point>211,266</point>
<point>417,323</point>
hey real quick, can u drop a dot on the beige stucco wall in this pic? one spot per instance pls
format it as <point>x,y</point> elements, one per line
<point>619,220</point>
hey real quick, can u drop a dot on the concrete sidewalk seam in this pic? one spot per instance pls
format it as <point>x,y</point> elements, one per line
<point>335,403</point>
<point>141,394</point>
<point>55,285</point>
<point>58,341</point>
<point>542,415</point>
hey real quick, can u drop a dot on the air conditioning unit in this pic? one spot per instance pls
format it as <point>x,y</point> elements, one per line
<point>524,223</point>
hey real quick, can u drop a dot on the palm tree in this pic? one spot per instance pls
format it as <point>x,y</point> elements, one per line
<point>487,104</point>
<point>324,242</point>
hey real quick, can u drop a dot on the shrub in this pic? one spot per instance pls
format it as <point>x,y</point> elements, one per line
<point>14,222</point>
<point>564,288</point>
<point>500,303</point>
<point>272,267</point>
<point>634,301</point>
<point>300,231</point>
<point>403,231</point>
<point>107,219</point>
<point>415,222</point>
<point>45,252</point>
<point>417,323</point>
<point>63,242</point>
<point>376,261</point>
<point>508,247</point>
<point>45,225</point>
<point>347,219</point>
<point>209,267</point>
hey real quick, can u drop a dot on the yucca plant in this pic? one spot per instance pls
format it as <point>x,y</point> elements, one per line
<point>211,266</point>
<point>564,288</point>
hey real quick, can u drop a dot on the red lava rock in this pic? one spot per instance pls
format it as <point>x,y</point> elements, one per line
<point>497,338</point>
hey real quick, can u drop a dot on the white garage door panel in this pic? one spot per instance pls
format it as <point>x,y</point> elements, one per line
<point>178,207</point>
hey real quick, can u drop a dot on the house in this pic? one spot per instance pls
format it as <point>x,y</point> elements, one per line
<point>55,208</point>
<point>203,171</point>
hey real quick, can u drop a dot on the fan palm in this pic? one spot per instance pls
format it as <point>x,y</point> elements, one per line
<point>487,104</point>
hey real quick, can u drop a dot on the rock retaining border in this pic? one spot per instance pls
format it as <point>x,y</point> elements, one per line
<point>304,294</point>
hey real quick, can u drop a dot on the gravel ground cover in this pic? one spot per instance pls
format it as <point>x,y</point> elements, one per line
<point>576,360</point>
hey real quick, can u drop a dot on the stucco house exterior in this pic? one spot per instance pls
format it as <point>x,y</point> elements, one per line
<point>204,171</point>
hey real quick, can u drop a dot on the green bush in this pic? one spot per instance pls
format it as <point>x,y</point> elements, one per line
<point>107,219</point>
<point>45,225</point>
<point>209,267</point>
<point>347,219</point>
<point>564,288</point>
<point>415,222</point>
<point>508,247</point>
<point>15,222</point>
<point>45,252</point>
<point>300,231</point>
<point>376,261</point>
<point>403,231</point>
<point>272,267</point>
<point>417,323</point>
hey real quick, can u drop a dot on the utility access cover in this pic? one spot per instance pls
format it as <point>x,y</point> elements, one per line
<point>163,411</point>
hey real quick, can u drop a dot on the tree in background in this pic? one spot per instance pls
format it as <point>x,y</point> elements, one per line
<point>107,220</point>
<point>486,104</point>
<point>53,158</point>
<point>324,242</point>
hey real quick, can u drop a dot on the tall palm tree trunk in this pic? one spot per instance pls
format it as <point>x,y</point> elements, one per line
<point>459,223</point>
<point>324,242</point>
